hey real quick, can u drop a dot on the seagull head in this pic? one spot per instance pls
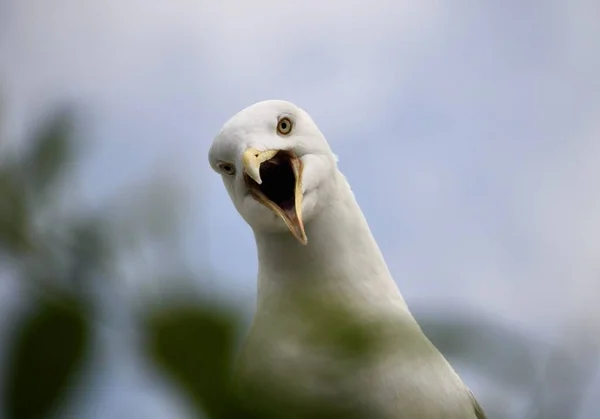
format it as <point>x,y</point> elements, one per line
<point>275,164</point>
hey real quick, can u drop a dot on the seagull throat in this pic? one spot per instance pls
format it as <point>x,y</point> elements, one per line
<point>281,190</point>
<point>279,182</point>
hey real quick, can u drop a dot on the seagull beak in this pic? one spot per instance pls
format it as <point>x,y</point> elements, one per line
<point>274,178</point>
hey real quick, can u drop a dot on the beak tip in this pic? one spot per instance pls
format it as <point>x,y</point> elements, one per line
<point>303,240</point>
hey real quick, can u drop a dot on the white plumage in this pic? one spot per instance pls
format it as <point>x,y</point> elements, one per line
<point>314,244</point>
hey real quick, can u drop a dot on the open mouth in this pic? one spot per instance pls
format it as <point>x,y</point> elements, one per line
<point>281,190</point>
<point>278,182</point>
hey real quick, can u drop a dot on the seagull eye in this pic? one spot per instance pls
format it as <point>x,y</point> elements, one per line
<point>227,168</point>
<point>284,126</point>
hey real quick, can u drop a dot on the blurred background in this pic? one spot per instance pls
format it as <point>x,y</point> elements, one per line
<point>469,131</point>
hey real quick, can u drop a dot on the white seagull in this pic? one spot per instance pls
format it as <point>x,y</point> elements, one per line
<point>313,240</point>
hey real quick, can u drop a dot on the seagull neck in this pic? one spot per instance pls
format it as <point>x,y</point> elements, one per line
<point>342,256</point>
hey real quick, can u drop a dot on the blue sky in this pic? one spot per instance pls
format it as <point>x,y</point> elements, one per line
<point>468,131</point>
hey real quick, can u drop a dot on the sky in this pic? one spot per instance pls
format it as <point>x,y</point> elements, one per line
<point>469,132</point>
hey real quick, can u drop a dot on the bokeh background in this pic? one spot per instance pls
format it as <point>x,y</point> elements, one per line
<point>469,131</point>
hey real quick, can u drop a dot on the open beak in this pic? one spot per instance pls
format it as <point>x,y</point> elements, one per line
<point>274,178</point>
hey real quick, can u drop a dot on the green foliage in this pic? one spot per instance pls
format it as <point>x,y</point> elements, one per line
<point>14,214</point>
<point>49,152</point>
<point>25,182</point>
<point>195,346</point>
<point>47,351</point>
<point>49,346</point>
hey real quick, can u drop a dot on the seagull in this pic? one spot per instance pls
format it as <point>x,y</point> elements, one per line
<point>314,244</point>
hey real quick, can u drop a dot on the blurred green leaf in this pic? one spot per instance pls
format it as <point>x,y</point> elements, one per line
<point>326,327</point>
<point>14,214</point>
<point>49,152</point>
<point>195,347</point>
<point>47,352</point>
